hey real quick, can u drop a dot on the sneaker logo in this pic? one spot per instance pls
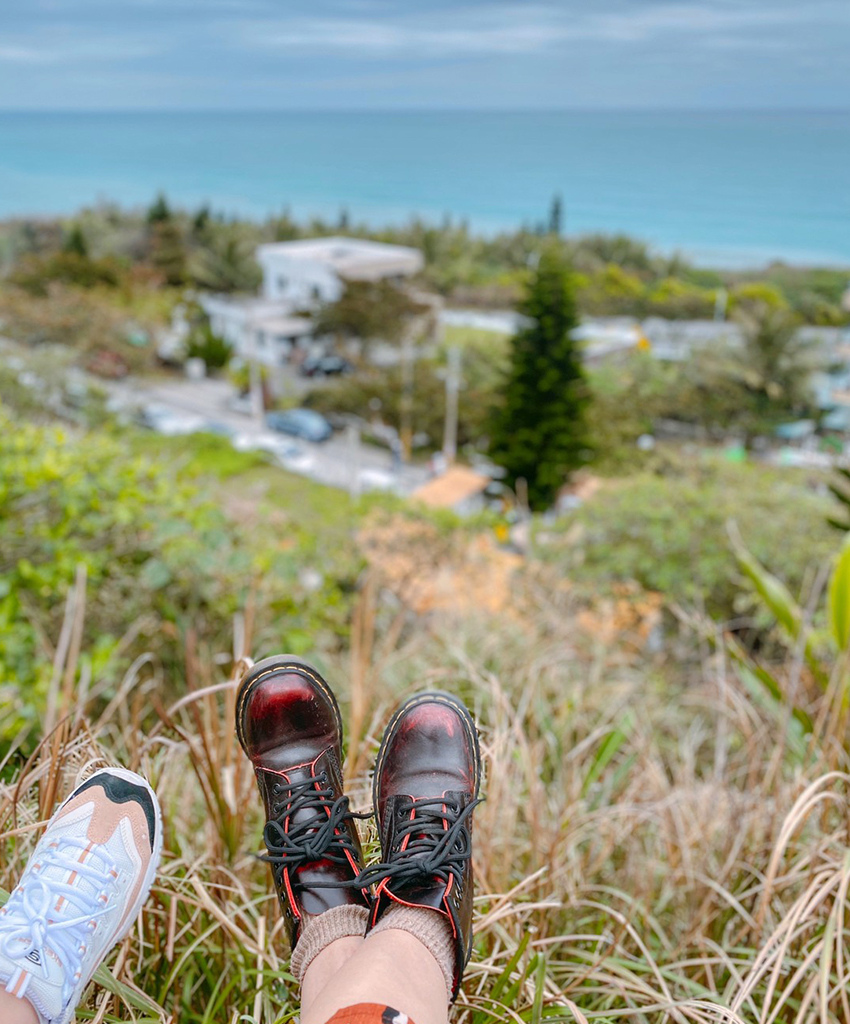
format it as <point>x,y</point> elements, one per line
<point>33,957</point>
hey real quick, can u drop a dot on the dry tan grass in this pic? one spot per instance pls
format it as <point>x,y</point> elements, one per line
<point>650,849</point>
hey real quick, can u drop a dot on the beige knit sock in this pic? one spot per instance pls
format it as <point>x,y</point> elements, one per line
<point>320,931</point>
<point>433,930</point>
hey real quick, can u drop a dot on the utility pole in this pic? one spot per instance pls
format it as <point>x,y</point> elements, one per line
<point>255,382</point>
<point>352,433</point>
<point>406,404</point>
<point>452,390</point>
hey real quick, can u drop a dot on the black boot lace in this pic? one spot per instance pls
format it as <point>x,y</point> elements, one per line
<point>310,837</point>
<point>433,850</point>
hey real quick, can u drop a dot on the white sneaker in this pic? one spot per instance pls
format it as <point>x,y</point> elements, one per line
<point>81,891</point>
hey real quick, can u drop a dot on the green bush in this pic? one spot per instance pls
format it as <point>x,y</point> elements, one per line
<point>668,531</point>
<point>626,398</point>
<point>205,344</point>
<point>678,300</point>
<point>610,291</point>
<point>35,273</point>
<point>154,549</point>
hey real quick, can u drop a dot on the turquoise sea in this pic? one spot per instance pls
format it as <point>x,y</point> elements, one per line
<point>724,188</point>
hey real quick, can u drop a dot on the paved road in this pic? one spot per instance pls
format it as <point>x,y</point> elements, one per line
<point>344,461</point>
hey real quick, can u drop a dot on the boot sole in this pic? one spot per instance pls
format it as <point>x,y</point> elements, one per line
<point>275,665</point>
<point>429,698</point>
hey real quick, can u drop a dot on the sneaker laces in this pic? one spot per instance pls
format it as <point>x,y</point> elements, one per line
<point>26,927</point>
<point>294,839</point>
<point>433,850</point>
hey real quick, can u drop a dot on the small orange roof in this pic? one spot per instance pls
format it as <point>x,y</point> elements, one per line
<point>454,486</point>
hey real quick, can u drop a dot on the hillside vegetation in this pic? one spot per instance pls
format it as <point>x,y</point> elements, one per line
<point>664,837</point>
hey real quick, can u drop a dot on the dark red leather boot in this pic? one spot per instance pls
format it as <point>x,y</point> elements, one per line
<point>288,723</point>
<point>425,787</point>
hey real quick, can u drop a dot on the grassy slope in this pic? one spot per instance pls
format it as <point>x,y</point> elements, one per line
<point>658,842</point>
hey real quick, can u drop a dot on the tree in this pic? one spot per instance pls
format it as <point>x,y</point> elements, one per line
<point>369,310</point>
<point>75,243</point>
<point>765,377</point>
<point>539,433</point>
<point>165,242</point>
<point>168,253</point>
<point>201,222</point>
<point>204,343</point>
<point>159,211</point>
<point>226,263</point>
<point>556,216</point>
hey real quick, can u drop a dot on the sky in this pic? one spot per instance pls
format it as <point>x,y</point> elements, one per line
<point>424,54</point>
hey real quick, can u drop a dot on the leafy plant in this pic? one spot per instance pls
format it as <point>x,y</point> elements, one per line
<point>204,343</point>
<point>667,529</point>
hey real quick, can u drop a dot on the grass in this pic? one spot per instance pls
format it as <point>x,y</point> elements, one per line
<point>196,454</point>
<point>665,832</point>
<point>649,850</point>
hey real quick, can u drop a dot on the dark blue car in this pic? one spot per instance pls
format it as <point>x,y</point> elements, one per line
<point>306,423</point>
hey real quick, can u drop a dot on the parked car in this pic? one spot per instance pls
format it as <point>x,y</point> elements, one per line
<point>170,422</point>
<point>218,427</point>
<point>306,423</point>
<point>325,366</point>
<point>286,453</point>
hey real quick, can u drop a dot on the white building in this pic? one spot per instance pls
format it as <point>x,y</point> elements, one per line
<point>297,278</point>
<point>258,329</point>
<point>313,270</point>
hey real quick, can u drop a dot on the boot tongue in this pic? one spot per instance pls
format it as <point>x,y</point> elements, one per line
<point>315,898</point>
<point>429,893</point>
<point>309,814</point>
<point>424,895</point>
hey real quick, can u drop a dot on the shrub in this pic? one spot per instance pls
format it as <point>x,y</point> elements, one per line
<point>153,550</point>
<point>667,531</point>
<point>87,322</point>
<point>674,298</point>
<point>35,273</point>
<point>609,292</point>
<point>205,344</point>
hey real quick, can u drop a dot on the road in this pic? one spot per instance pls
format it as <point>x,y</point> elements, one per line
<point>344,461</point>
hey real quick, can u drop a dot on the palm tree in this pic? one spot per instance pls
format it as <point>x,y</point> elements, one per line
<point>226,263</point>
<point>765,375</point>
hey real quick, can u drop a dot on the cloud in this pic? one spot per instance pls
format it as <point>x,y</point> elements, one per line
<point>526,29</point>
<point>22,55</point>
<point>62,46</point>
<point>421,52</point>
<point>453,33</point>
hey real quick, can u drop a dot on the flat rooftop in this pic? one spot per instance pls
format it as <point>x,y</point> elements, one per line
<point>457,484</point>
<point>355,259</point>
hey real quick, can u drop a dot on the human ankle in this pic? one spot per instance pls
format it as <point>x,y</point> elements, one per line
<point>17,1011</point>
<point>430,927</point>
<point>321,931</point>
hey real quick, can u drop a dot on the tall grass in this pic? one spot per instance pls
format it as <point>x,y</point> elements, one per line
<point>651,849</point>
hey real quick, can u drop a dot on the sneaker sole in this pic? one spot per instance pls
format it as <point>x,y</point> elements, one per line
<point>430,697</point>
<point>274,666</point>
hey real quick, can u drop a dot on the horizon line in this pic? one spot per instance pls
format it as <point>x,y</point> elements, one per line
<point>430,110</point>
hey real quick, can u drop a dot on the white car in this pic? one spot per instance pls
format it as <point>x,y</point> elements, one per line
<point>285,452</point>
<point>170,422</point>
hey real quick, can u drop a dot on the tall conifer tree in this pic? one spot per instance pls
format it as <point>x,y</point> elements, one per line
<point>539,433</point>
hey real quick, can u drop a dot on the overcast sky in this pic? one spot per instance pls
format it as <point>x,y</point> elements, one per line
<point>340,54</point>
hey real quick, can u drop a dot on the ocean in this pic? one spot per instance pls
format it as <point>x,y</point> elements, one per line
<point>728,189</point>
